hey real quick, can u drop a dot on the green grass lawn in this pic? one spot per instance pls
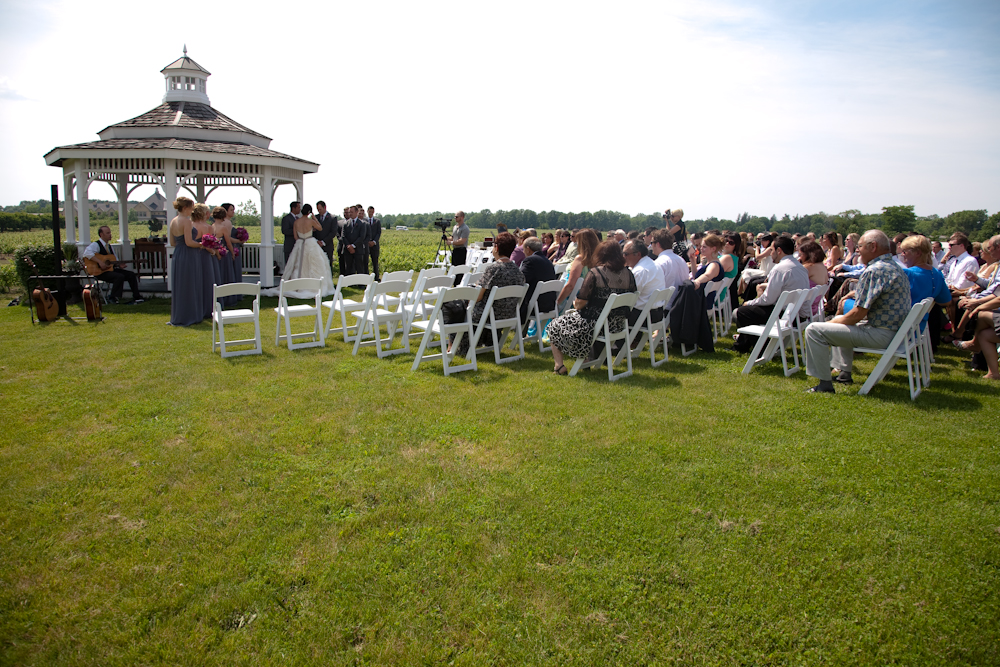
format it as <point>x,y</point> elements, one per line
<point>160,505</point>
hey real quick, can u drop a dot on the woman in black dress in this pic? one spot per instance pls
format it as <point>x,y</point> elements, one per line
<point>571,334</point>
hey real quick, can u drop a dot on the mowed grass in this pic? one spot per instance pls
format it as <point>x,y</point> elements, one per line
<point>160,505</point>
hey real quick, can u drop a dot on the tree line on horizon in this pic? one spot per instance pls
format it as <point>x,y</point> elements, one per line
<point>977,224</point>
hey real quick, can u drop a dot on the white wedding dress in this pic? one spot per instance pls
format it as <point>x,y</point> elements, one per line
<point>307,260</point>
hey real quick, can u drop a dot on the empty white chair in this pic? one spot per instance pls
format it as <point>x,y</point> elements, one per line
<point>500,329</point>
<point>906,344</point>
<point>654,332</point>
<point>802,322</point>
<point>461,270</point>
<point>341,304</point>
<point>287,313</point>
<point>771,336</point>
<point>388,300</point>
<point>560,268</point>
<point>603,334</point>
<point>422,300</point>
<point>717,313</point>
<point>539,318</point>
<point>434,326</point>
<point>375,316</point>
<point>220,318</point>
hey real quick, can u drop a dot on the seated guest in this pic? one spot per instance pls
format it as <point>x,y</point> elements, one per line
<point>518,255</point>
<point>536,268</point>
<point>674,269</point>
<point>711,270</point>
<point>619,236</point>
<point>987,282</point>
<point>763,256</point>
<point>937,253</point>
<point>571,334</point>
<point>111,271</point>
<point>788,274</point>
<point>648,279</point>
<point>811,256</point>
<point>960,248</point>
<point>831,248</point>
<point>586,242</point>
<point>572,249</point>
<point>499,273</point>
<point>987,335</point>
<point>547,241</point>
<point>882,301</point>
<point>557,250</point>
<point>925,280</point>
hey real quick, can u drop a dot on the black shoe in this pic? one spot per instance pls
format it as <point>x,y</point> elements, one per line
<point>819,389</point>
<point>136,302</point>
<point>844,378</point>
<point>112,300</point>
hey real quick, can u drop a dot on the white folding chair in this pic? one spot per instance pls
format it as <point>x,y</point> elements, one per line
<point>717,313</point>
<point>435,326</point>
<point>539,318</point>
<point>568,303</point>
<point>422,300</point>
<point>906,344</point>
<point>220,318</point>
<point>560,268</point>
<point>712,290</point>
<point>375,316</point>
<point>340,304</point>
<point>654,332</point>
<point>388,301</point>
<point>461,270</point>
<point>771,335</point>
<point>802,322</point>
<point>433,271</point>
<point>288,313</point>
<point>603,334</point>
<point>442,259</point>
<point>471,276</point>
<point>500,328</point>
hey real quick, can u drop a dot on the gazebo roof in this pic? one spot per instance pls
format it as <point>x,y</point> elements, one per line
<point>185,63</point>
<point>218,147</point>
<point>184,114</point>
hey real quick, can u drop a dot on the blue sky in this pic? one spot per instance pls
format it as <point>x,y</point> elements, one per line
<point>717,107</point>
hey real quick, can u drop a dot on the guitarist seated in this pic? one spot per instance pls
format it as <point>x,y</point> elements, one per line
<point>101,263</point>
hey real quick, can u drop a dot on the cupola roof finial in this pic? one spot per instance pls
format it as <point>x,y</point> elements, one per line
<point>185,50</point>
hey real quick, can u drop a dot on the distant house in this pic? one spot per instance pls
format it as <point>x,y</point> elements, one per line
<point>156,205</point>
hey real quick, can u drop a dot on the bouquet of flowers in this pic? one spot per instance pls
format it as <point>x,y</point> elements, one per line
<point>212,243</point>
<point>241,235</point>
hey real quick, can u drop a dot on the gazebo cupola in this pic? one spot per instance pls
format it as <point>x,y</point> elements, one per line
<point>186,81</point>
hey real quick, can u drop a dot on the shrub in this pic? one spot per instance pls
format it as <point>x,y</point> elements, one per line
<point>44,258</point>
<point>8,277</point>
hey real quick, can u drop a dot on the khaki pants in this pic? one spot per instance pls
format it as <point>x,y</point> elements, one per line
<point>826,342</point>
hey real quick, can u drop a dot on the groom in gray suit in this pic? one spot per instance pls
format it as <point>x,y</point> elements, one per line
<point>328,229</point>
<point>288,227</point>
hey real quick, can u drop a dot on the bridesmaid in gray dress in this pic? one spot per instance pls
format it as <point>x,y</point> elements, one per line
<point>222,228</point>
<point>211,267</point>
<point>187,299</point>
<point>237,260</point>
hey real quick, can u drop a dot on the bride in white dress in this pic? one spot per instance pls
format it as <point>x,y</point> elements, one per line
<point>307,259</point>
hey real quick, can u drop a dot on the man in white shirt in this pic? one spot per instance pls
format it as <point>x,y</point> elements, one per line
<point>673,267</point>
<point>959,247</point>
<point>788,274</point>
<point>648,279</point>
<point>106,269</point>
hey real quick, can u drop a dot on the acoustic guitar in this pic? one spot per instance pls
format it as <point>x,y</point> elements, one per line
<point>45,304</point>
<point>94,266</point>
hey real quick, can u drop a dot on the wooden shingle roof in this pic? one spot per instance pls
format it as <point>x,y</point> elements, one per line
<point>185,114</point>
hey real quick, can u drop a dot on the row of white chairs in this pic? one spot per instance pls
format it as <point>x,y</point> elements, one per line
<point>391,304</point>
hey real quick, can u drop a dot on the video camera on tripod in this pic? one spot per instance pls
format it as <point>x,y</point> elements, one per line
<point>442,224</point>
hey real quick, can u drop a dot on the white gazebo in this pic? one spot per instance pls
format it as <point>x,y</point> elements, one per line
<point>182,144</point>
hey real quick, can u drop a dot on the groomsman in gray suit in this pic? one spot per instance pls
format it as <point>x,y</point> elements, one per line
<point>354,238</point>
<point>328,229</point>
<point>374,239</point>
<point>288,227</point>
<point>340,240</point>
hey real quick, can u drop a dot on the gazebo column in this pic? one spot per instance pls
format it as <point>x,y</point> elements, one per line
<point>299,191</point>
<point>83,205</point>
<point>68,206</point>
<point>170,193</point>
<point>123,216</point>
<point>267,229</point>
<point>200,188</point>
